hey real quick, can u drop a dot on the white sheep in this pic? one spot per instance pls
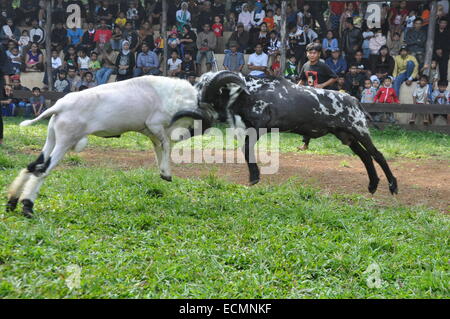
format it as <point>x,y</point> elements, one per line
<point>145,105</point>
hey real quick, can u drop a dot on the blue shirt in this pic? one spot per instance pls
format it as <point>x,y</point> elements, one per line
<point>339,67</point>
<point>75,36</point>
<point>238,62</point>
<point>330,46</point>
<point>147,60</point>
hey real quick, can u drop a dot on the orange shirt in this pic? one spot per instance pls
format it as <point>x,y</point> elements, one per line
<point>270,23</point>
<point>425,16</point>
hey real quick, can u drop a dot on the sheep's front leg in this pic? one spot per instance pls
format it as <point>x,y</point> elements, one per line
<point>162,149</point>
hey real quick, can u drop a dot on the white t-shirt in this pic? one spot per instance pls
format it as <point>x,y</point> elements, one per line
<point>258,60</point>
<point>83,63</point>
<point>173,65</point>
<point>56,63</point>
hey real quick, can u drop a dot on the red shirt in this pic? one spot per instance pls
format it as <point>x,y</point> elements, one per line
<point>337,7</point>
<point>218,30</point>
<point>103,36</point>
<point>386,95</point>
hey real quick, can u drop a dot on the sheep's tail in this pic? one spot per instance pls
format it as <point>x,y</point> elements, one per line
<point>51,111</point>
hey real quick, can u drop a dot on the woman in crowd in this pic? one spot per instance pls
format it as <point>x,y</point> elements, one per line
<point>125,62</point>
<point>34,59</point>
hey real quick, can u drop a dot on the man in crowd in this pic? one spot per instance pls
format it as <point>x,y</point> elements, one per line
<point>258,62</point>
<point>206,43</point>
<point>234,60</point>
<point>406,69</point>
<point>416,39</point>
<point>147,62</point>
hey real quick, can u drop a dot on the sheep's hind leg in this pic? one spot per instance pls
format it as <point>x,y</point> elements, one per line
<point>35,181</point>
<point>162,148</point>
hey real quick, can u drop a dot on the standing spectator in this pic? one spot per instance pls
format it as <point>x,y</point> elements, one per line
<point>241,37</point>
<point>337,63</point>
<point>61,84</point>
<point>217,28</point>
<point>273,47</point>
<point>336,10</point>
<point>351,40</point>
<point>183,17</point>
<point>386,94</point>
<point>375,44</point>
<point>174,65</point>
<point>245,17</point>
<point>206,43</point>
<point>291,71</point>
<point>74,79</point>
<point>133,14</point>
<point>270,21</point>
<point>406,69</point>
<point>234,60</point>
<point>57,65</point>
<point>9,32</point>
<point>147,62</point>
<point>231,23</point>
<point>105,13</point>
<point>205,16</point>
<point>37,102</point>
<point>116,39</point>
<point>74,36</point>
<point>58,37</point>
<point>34,59</point>
<point>130,35</point>
<point>258,62</point>
<point>108,58</point>
<point>37,34</point>
<point>415,40</point>
<point>103,34</point>
<point>441,96</point>
<point>5,88</point>
<point>397,16</point>
<point>442,42</point>
<point>188,41</point>
<point>420,96</point>
<point>368,93</point>
<point>125,62</point>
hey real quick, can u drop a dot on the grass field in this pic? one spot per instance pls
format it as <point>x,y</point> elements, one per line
<point>132,235</point>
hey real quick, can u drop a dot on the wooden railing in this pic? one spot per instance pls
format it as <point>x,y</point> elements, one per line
<point>372,108</point>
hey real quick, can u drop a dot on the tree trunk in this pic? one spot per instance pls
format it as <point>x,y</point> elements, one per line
<point>283,37</point>
<point>48,43</point>
<point>430,37</point>
<point>164,35</point>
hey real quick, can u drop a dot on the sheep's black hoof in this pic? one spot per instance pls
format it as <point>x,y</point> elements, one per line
<point>373,186</point>
<point>393,186</point>
<point>27,210</point>
<point>12,204</point>
<point>166,178</point>
<point>254,181</point>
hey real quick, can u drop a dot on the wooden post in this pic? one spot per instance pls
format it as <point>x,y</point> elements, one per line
<point>283,37</point>
<point>164,35</point>
<point>48,43</point>
<point>430,36</point>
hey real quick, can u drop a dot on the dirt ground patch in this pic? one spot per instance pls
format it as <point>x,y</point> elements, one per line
<point>421,182</point>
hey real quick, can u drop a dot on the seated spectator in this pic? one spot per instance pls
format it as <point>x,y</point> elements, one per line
<point>37,34</point>
<point>121,20</point>
<point>375,44</point>
<point>74,79</point>
<point>146,35</point>
<point>329,43</point>
<point>34,59</point>
<point>245,17</point>
<point>362,63</point>
<point>354,81</point>
<point>337,63</point>
<point>61,84</point>
<point>71,59</point>
<point>87,41</point>
<point>386,94</point>
<point>270,21</point>
<point>94,64</point>
<point>183,17</point>
<point>105,13</point>
<point>261,36</point>
<point>147,62</point>
<point>258,15</point>
<point>174,65</point>
<point>125,62</point>
<point>58,37</point>
<point>188,69</point>
<point>24,41</point>
<point>16,59</point>
<point>206,44</point>
<point>83,62</point>
<point>188,41</point>
<point>37,102</point>
<point>394,44</point>
<point>108,59</point>
<point>57,66</point>
<point>234,60</point>
<point>74,36</point>
<point>27,11</point>
<point>20,103</point>
<point>421,96</point>
<point>340,84</point>
<point>416,40</point>
<point>88,80</point>
<point>441,96</point>
<point>405,70</point>
<point>173,42</point>
<point>116,39</point>
<point>9,32</point>
<point>351,39</point>
<point>291,70</point>
<point>273,47</point>
<point>258,62</point>
<point>384,64</point>
<point>103,34</point>
<point>368,34</point>
<point>241,37</point>
<point>231,23</point>
<point>133,14</point>
<point>275,67</point>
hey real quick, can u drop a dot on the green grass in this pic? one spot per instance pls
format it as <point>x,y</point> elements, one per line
<point>136,236</point>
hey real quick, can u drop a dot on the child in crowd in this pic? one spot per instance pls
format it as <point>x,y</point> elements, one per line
<point>188,67</point>
<point>83,62</point>
<point>441,96</point>
<point>37,102</point>
<point>24,41</point>
<point>409,21</point>
<point>275,68</point>
<point>174,65</point>
<point>386,94</point>
<point>231,23</point>
<point>368,93</point>
<point>121,20</point>
<point>269,20</point>
<point>71,59</point>
<point>88,80</point>
<point>133,14</point>
<point>94,63</point>
<point>217,28</point>
<point>340,84</point>
<point>375,82</point>
<point>291,71</point>
<point>61,84</point>
<point>173,41</point>
<point>277,19</point>
<point>16,59</point>
<point>420,96</point>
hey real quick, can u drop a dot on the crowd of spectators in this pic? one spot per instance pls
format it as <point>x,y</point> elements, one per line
<point>123,38</point>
